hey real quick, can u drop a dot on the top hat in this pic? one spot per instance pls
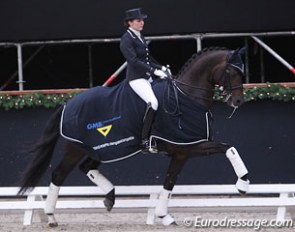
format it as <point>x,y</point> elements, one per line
<point>134,14</point>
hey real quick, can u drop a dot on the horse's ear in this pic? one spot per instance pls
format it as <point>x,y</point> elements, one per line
<point>235,59</point>
<point>237,54</point>
<point>242,51</point>
<point>233,56</point>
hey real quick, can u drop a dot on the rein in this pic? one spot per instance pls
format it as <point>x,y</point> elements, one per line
<point>176,111</point>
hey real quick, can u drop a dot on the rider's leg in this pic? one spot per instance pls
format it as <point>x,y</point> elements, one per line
<point>143,89</point>
<point>146,128</point>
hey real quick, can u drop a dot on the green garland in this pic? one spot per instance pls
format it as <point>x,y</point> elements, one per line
<point>274,92</point>
<point>33,100</point>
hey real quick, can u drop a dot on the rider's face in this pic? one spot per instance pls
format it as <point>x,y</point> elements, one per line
<point>136,24</point>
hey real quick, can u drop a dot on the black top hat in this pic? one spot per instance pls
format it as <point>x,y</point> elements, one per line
<point>134,14</point>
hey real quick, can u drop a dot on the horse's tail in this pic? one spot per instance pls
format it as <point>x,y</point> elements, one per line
<point>41,154</point>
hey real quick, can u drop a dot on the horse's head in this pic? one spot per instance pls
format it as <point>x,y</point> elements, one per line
<point>230,80</point>
<point>208,68</point>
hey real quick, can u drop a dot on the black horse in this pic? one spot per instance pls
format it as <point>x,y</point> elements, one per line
<point>179,99</point>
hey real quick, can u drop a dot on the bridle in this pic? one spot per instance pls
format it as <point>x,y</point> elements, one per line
<point>224,83</point>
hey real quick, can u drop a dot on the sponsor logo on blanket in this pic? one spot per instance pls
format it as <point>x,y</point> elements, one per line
<point>115,143</point>
<point>101,126</point>
<point>105,130</point>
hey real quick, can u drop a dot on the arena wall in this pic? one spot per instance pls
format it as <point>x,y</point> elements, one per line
<point>262,132</point>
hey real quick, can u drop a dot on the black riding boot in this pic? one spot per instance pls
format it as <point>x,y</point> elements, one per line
<point>146,129</point>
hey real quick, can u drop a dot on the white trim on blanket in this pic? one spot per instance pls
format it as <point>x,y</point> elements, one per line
<point>60,128</point>
<point>121,158</point>
<point>185,143</point>
<point>176,143</point>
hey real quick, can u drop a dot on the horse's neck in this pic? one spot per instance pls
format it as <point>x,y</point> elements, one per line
<point>198,86</point>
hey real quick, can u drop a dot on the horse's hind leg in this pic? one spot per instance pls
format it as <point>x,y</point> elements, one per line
<point>175,167</point>
<point>89,167</point>
<point>72,157</point>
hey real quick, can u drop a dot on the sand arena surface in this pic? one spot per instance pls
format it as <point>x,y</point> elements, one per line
<point>134,220</point>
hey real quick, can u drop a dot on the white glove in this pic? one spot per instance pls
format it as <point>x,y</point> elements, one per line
<point>160,73</point>
<point>166,70</point>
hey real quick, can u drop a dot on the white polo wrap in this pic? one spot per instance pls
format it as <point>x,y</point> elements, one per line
<point>100,180</point>
<point>236,161</point>
<point>51,199</point>
<point>162,206</point>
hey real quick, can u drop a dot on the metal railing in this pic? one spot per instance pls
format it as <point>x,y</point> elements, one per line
<point>198,37</point>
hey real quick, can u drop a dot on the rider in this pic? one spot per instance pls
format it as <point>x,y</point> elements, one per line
<point>141,69</point>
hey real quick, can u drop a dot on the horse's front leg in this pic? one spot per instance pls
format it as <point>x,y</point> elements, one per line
<point>175,167</point>
<point>240,169</point>
<point>233,156</point>
<point>89,167</point>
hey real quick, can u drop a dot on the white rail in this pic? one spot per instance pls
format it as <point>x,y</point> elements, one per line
<point>280,196</point>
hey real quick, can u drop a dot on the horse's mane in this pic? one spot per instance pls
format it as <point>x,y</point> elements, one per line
<point>197,56</point>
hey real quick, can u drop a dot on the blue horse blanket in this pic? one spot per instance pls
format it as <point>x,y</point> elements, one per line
<point>108,120</point>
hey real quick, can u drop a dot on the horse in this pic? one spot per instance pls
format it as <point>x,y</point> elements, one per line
<point>196,83</point>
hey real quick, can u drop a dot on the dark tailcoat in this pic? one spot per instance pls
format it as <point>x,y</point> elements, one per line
<point>136,52</point>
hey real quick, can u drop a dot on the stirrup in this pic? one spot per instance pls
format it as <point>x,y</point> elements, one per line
<point>153,149</point>
<point>147,148</point>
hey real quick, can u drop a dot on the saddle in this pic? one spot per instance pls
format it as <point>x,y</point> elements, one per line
<point>109,120</point>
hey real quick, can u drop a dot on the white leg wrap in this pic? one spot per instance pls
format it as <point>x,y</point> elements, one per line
<point>97,178</point>
<point>168,220</point>
<point>242,186</point>
<point>51,199</point>
<point>162,206</point>
<point>236,161</point>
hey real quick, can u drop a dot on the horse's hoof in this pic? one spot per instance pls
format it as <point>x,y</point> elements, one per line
<point>109,201</point>
<point>51,221</point>
<point>52,224</point>
<point>168,220</point>
<point>242,186</point>
<point>108,204</point>
<point>174,224</point>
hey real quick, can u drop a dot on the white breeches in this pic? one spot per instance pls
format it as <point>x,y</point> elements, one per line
<point>142,87</point>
